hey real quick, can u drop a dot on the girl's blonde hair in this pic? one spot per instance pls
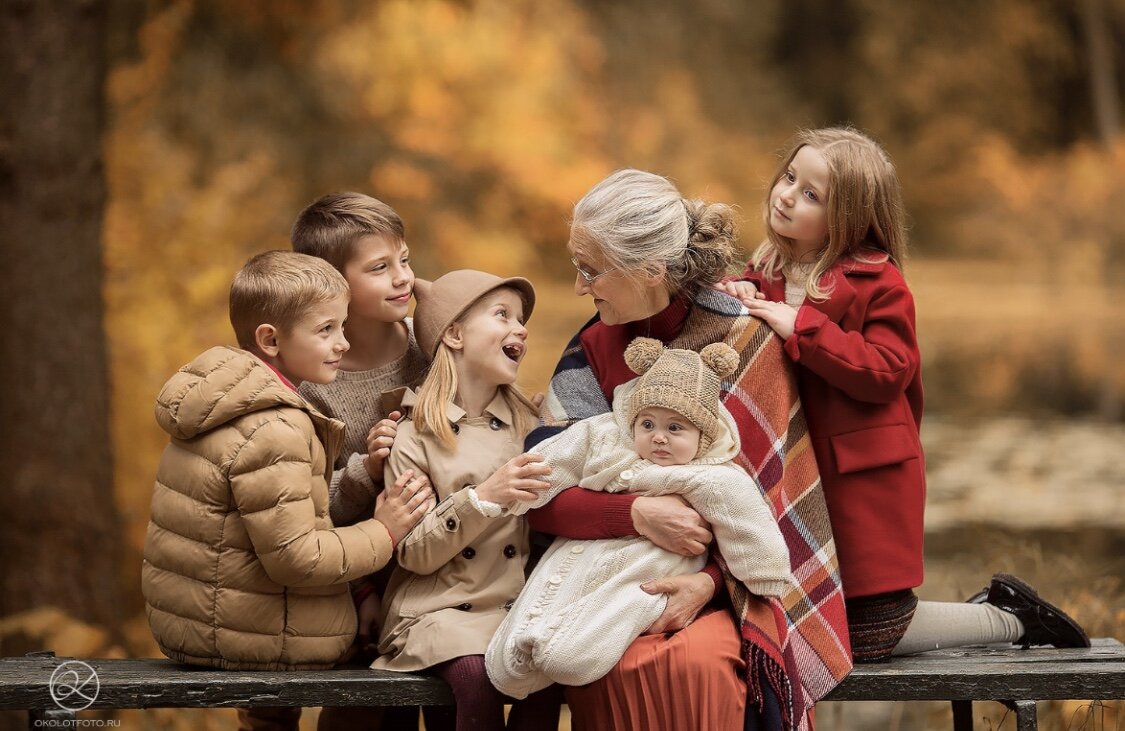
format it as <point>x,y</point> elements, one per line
<point>863,207</point>
<point>439,389</point>
<point>641,225</point>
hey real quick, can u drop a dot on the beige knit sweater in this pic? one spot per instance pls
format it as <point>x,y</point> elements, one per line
<point>354,398</point>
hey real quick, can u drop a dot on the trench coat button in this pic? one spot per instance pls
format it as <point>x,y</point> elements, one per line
<point>468,552</point>
<point>456,429</point>
<point>494,424</point>
<point>627,475</point>
<point>451,524</point>
<point>465,607</point>
<point>577,549</point>
<point>510,551</point>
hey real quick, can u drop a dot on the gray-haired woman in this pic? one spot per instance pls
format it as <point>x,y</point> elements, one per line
<point>719,657</point>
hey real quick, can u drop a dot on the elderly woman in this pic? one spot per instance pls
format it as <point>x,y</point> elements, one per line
<point>719,657</point>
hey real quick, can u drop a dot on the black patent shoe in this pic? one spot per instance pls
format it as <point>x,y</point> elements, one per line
<point>1043,622</point>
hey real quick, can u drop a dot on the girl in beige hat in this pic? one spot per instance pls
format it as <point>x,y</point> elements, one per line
<point>462,566</point>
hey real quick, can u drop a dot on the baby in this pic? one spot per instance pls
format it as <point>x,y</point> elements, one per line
<point>668,433</point>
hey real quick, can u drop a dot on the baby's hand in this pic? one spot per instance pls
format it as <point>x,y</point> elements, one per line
<point>745,292</point>
<point>516,480</point>
<point>402,505</point>
<point>379,441</point>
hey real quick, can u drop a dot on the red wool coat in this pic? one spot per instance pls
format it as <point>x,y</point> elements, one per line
<point>860,382</point>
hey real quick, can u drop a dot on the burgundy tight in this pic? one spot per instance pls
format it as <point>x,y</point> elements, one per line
<point>480,707</point>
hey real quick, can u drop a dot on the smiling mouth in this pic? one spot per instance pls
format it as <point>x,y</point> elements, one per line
<point>514,351</point>
<point>400,298</point>
<point>778,212</point>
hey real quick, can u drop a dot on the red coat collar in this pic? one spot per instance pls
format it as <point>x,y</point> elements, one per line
<point>842,293</point>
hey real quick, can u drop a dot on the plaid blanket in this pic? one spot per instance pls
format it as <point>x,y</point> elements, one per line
<point>798,644</point>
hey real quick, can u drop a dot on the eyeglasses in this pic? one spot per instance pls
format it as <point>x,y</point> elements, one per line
<point>590,278</point>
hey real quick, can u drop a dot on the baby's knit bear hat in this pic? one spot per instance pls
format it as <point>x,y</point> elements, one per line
<point>684,381</point>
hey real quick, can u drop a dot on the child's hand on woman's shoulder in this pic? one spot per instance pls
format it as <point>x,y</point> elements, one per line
<point>516,480</point>
<point>379,441</point>
<point>745,292</point>
<point>402,505</point>
<point>778,315</point>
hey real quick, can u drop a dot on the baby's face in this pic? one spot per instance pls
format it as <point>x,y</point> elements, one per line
<point>664,437</point>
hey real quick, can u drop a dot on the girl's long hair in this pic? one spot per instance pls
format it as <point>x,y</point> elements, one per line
<point>439,389</point>
<point>863,207</point>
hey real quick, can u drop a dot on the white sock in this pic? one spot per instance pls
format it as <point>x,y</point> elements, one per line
<point>951,624</point>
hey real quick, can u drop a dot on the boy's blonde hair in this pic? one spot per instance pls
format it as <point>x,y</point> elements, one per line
<point>277,288</point>
<point>329,226</point>
<point>863,206</point>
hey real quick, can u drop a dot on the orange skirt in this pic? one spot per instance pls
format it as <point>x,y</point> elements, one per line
<point>694,679</point>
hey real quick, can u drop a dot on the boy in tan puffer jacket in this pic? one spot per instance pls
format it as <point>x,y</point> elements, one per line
<point>242,566</point>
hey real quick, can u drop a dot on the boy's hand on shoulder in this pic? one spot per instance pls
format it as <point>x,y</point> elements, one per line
<point>379,442</point>
<point>516,480</point>
<point>746,292</point>
<point>401,505</point>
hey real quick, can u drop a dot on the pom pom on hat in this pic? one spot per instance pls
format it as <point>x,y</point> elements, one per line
<point>642,353</point>
<point>720,358</point>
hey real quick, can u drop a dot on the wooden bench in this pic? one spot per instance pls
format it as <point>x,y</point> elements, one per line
<point>1012,676</point>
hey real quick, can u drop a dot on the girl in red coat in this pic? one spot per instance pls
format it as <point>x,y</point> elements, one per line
<point>828,281</point>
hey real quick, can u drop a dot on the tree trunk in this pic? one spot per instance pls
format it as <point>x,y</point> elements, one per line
<point>1103,76</point>
<point>59,528</point>
<point>1104,98</point>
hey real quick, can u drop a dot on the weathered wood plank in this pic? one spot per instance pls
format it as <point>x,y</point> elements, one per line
<point>164,684</point>
<point>954,675</point>
<point>993,674</point>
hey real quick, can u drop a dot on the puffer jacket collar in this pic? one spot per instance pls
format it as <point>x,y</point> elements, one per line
<point>225,383</point>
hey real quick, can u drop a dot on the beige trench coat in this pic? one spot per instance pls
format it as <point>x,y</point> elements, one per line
<point>459,571</point>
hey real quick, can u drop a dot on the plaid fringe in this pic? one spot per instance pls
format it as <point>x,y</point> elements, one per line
<point>799,645</point>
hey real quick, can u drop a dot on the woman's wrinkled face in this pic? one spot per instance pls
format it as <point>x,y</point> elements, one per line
<point>619,296</point>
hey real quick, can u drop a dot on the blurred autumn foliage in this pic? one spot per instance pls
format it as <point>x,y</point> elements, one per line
<point>482,121</point>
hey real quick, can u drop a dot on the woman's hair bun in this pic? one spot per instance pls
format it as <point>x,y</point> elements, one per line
<point>642,353</point>
<point>719,357</point>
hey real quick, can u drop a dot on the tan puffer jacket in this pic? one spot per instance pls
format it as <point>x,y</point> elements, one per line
<point>242,567</point>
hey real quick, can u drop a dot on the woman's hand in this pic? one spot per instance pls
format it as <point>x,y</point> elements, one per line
<point>379,441</point>
<point>516,480</point>
<point>687,595</point>
<point>778,315</point>
<point>671,523</point>
<point>400,506</point>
